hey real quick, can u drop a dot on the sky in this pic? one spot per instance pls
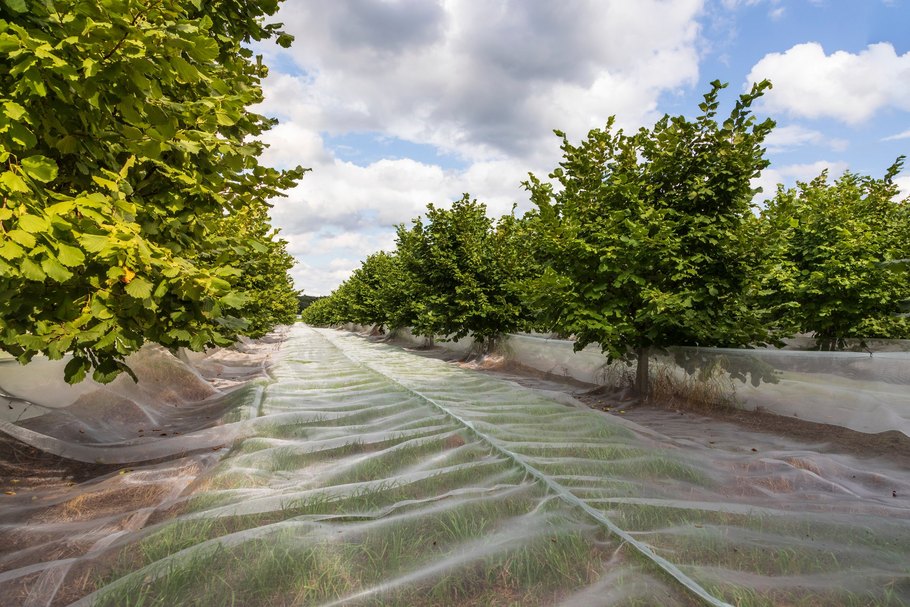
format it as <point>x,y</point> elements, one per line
<point>394,104</point>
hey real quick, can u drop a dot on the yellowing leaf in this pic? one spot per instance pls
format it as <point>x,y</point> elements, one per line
<point>128,275</point>
<point>107,183</point>
<point>22,237</point>
<point>13,110</point>
<point>127,166</point>
<point>10,250</point>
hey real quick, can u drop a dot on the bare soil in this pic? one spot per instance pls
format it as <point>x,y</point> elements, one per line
<point>892,445</point>
<point>23,466</point>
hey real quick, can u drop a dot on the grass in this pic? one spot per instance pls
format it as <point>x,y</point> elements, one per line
<point>711,387</point>
<point>489,564</point>
<point>433,514</point>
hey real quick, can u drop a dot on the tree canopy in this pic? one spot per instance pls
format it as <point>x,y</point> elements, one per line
<point>454,273</point>
<point>463,272</point>
<point>828,248</point>
<point>128,160</point>
<point>647,238</point>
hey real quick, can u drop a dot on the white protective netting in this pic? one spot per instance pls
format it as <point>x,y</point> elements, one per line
<point>368,475</point>
<point>867,391</point>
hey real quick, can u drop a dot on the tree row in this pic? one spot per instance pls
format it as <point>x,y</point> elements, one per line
<point>647,240</point>
<point>134,206</point>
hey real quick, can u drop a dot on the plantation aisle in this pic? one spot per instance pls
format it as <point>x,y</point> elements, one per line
<point>372,476</point>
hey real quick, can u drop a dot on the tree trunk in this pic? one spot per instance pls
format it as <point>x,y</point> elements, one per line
<point>642,375</point>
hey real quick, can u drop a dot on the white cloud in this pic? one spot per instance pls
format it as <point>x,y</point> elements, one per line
<point>290,144</point>
<point>317,279</point>
<point>791,136</point>
<point>903,135</point>
<point>484,81</point>
<point>844,86</point>
<point>903,183</point>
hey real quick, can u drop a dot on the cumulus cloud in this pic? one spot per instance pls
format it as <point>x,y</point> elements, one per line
<point>485,82</point>
<point>476,78</point>
<point>845,86</point>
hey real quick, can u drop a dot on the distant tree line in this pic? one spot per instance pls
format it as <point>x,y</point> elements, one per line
<point>647,240</point>
<point>305,301</point>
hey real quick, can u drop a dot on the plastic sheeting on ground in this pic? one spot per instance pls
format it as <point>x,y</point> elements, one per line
<point>368,475</point>
<point>181,416</point>
<point>865,391</point>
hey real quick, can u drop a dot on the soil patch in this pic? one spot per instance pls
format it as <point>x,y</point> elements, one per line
<point>22,466</point>
<point>892,445</point>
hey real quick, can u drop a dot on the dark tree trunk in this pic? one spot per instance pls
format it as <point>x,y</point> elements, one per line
<point>642,375</point>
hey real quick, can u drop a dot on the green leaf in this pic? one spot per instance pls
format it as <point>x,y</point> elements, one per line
<point>99,309</point>
<point>185,70</point>
<point>76,370</point>
<point>31,270</point>
<point>40,168</point>
<point>8,42</point>
<point>31,342</point>
<point>67,145</point>
<point>13,182</point>
<point>32,223</point>
<point>17,6</point>
<point>139,288</point>
<point>224,118</point>
<point>199,341</point>
<point>93,243</point>
<point>204,49</point>
<point>234,299</point>
<point>55,269</point>
<point>22,135</point>
<point>70,256</point>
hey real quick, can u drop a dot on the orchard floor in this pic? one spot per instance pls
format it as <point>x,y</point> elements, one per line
<point>755,508</point>
<point>23,467</point>
<point>694,422</point>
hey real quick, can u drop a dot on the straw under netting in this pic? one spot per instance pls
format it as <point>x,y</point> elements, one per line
<point>369,475</point>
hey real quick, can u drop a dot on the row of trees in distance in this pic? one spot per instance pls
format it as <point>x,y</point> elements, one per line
<point>647,240</point>
<point>134,206</point>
